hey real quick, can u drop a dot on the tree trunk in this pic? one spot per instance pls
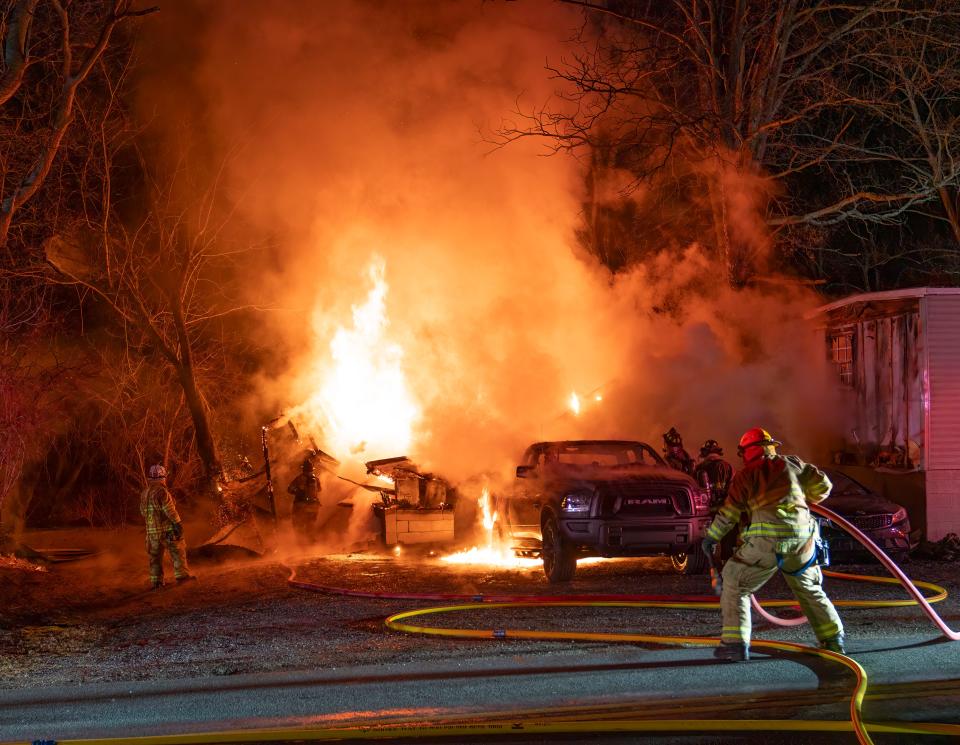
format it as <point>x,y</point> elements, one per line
<point>950,207</point>
<point>206,446</point>
<point>729,247</point>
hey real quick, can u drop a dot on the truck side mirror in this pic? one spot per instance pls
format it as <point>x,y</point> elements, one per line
<point>525,472</point>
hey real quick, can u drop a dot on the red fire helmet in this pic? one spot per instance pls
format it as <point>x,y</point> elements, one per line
<point>756,437</point>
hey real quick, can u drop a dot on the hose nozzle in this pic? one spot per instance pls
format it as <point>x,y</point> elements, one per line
<point>716,581</point>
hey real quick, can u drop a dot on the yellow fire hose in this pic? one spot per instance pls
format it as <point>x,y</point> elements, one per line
<point>568,722</point>
<point>856,700</point>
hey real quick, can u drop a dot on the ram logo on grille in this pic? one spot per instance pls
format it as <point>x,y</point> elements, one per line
<point>648,500</point>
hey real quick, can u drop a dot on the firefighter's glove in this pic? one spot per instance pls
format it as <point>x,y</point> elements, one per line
<point>709,546</point>
<point>176,530</point>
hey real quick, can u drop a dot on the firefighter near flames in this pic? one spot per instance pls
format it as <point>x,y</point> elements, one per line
<point>714,474</point>
<point>305,490</point>
<point>164,529</point>
<point>774,490</point>
<point>675,454</point>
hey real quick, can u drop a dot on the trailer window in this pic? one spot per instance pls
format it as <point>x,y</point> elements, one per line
<point>841,354</point>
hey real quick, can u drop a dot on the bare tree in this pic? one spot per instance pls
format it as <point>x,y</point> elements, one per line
<point>906,84</point>
<point>31,392</point>
<point>732,106</point>
<point>50,49</point>
<point>167,280</point>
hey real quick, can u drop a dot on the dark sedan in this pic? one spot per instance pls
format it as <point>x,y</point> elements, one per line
<point>886,523</point>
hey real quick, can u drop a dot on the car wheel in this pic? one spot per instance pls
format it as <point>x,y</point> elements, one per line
<point>559,560</point>
<point>690,562</point>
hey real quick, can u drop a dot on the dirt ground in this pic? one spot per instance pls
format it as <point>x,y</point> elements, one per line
<point>95,620</point>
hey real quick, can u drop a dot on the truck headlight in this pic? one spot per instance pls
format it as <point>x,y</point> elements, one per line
<point>899,516</point>
<point>576,502</point>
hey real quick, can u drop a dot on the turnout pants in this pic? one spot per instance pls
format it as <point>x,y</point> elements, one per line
<point>178,555</point>
<point>750,568</point>
<point>304,518</point>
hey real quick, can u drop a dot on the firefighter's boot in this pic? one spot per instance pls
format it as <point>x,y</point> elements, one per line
<point>834,644</point>
<point>732,652</point>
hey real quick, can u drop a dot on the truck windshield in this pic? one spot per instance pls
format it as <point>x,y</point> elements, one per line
<point>605,454</point>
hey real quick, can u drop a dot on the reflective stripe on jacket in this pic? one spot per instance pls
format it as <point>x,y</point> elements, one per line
<point>774,492</point>
<point>158,509</point>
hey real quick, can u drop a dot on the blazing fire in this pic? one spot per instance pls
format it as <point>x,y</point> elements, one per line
<point>495,552</point>
<point>363,403</point>
<point>574,403</point>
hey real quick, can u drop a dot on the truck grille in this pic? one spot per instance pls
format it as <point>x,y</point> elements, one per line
<point>649,500</point>
<point>871,522</point>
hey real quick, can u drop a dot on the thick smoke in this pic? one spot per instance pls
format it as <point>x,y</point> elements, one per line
<point>357,131</point>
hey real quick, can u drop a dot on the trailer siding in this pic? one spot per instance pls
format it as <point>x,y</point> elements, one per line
<point>942,314</point>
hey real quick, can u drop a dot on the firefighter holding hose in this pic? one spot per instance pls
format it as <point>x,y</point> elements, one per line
<point>774,490</point>
<point>164,529</point>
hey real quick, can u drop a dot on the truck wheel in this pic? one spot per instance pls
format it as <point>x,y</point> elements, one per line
<point>690,562</point>
<point>559,560</point>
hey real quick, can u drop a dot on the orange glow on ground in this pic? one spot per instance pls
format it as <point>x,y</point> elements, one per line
<point>497,553</point>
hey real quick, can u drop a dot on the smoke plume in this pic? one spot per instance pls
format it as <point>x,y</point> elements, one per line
<point>356,138</point>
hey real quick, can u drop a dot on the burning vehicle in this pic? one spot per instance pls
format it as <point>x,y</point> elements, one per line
<point>607,498</point>
<point>885,522</point>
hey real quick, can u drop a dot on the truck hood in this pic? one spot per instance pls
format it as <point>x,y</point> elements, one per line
<point>603,475</point>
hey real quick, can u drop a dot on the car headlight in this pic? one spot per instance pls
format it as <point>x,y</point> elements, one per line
<point>899,516</point>
<point>576,502</point>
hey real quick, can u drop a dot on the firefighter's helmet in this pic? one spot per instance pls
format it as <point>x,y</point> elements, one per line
<point>672,438</point>
<point>755,438</point>
<point>157,472</point>
<point>710,446</point>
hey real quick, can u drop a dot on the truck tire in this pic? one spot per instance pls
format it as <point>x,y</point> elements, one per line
<point>693,561</point>
<point>559,560</point>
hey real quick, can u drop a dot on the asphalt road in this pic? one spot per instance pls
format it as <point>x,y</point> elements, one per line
<point>661,683</point>
<point>91,655</point>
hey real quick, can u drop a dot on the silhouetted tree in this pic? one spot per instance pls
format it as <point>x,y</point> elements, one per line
<point>733,108</point>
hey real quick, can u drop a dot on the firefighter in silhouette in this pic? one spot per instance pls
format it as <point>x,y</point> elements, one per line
<point>164,529</point>
<point>674,453</point>
<point>775,490</point>
<point>305,489</point>
<point>714,473</point>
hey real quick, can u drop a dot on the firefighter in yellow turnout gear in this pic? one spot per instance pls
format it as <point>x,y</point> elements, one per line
<point>774,490</point>
<point>164,529</point>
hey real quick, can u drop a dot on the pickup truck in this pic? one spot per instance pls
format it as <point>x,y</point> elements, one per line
<point>578,498</point>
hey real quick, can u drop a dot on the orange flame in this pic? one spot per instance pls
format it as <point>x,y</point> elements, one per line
<point>363,403</point>
<point>495,552</point>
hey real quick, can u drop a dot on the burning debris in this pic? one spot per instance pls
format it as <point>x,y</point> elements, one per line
<point>495,551</point>
<point>418,509</point>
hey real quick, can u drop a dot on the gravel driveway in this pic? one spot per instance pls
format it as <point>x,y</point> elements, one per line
<point>92,620</point>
